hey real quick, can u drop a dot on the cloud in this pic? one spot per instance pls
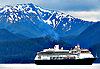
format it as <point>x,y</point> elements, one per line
<point>70,5</point>
<point>86,15</point>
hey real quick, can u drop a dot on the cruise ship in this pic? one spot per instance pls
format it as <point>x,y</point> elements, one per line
<point>59,56</point>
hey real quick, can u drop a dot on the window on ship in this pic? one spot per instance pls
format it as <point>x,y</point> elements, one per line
<point>85,52</point>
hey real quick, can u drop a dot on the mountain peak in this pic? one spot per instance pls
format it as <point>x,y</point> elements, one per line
<point>34,13</point>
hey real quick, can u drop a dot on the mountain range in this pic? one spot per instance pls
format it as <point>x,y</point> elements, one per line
<point>28,28</point>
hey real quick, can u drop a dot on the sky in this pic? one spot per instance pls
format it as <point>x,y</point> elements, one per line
<point>85,9</point>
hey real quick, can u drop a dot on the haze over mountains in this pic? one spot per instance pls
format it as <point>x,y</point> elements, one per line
<point>28,28</point>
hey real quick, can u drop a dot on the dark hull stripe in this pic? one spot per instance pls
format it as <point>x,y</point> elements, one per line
<point>87,61</point>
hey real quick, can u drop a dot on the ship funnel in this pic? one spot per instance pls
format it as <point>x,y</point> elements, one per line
<point>61,48</point>
<point>77,47</point>
<point>56,47</point>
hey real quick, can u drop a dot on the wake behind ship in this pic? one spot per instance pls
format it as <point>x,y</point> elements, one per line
<point>57,56</point>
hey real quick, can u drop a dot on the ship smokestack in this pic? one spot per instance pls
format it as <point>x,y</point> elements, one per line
<point>61,48</point>
<point>56,47</point>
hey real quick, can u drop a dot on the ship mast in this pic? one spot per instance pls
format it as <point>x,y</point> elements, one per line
<point>96,55</point>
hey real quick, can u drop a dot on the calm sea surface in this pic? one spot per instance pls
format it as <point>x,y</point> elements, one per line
<point>33,66</point>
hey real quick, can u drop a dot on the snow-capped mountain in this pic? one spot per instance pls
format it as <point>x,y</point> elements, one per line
<point>13,14</point>
<point>39,20</point>
<point>23,19</point>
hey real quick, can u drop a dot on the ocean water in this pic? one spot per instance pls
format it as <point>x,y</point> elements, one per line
<point>33,66</point>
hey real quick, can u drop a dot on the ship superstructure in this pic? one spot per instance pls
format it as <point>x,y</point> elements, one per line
<point>58,55</point>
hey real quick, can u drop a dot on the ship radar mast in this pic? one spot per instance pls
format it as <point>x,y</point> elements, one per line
<point>96,55</point>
